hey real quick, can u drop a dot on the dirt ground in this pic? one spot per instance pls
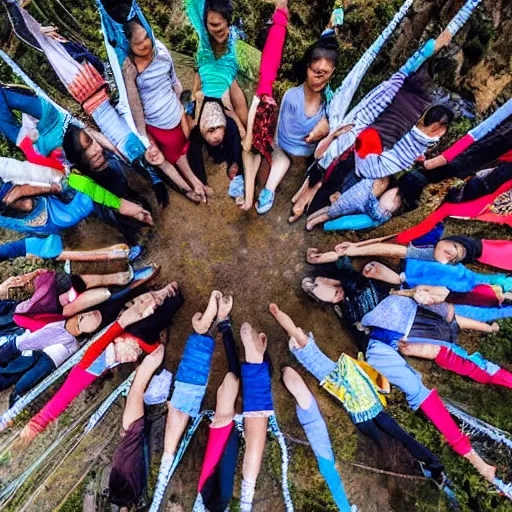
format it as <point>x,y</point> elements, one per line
<point>259,260</point>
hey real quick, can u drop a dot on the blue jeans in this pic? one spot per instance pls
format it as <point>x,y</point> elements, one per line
<point>11,250</point>
<point>10,100</point>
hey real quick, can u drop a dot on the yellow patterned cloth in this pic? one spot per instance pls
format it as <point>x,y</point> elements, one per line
<point>358,393</point>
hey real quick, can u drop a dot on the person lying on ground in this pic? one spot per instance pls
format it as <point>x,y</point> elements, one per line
<point>368,204</point>
<point>358,391</point>
<point>302,120</point>
<point>262,120</point>
<point>216,131</point>
<point>128,474</point>
<point>216,480</point>
<point>316,431</point>
<point>375,156</point>
<point>138,329</point>
<point>153,93</point>
<point>27,209</point>
<point>483,144</point>
<point>399,319</point>
<point>216,58</point>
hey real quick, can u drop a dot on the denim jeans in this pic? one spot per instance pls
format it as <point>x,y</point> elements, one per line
<point>10,100</point>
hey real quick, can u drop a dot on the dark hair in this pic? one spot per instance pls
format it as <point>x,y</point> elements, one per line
<point>73,147</point>
<point>325,48</point>
<point>129,27</point>
<point>223,7</point>
<point>438,114</point>
<point>410,186</point>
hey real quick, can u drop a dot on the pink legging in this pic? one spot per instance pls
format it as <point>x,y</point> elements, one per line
<point>272,53</point>
<point>470,209</point>
<point>78,380</point>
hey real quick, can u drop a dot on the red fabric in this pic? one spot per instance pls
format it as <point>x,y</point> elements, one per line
<point>507,157</point>
<point>78,380</point>
<point>100,345</point>
<point>335,162</point>
<point>27,146</point>
<point>436,412</point>
<point>471,209</point>
<point>482,295</point>
<point>272,53</point>
<point>172,143</point>
<point>497,253</point>
<point>217,441</point>
<point>368,143</point>
<point>35,322</point>
<point>143,345</point>
<point>459,147</point>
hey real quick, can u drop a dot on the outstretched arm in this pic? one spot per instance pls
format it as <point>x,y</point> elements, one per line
<point>379,249</point>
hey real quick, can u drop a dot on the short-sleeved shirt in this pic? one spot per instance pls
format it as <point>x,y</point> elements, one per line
<point>425,253</point>
<point>294,126</point>
<point>156,83</point>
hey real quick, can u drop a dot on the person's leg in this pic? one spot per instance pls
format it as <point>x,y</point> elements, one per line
<point>201,322</point>
<point>42,368</point>
<point>7,380</point>
<point>101,280</point>
<point>252,164</point>
<point>247,142</point>
<point>280,165</point>
<point>376,270</point>
<point>228,340</point>
<point>257,408</point>
<point>86,300</point>
<point>304,347</point>
<point>239,102</point>
<point>476,325</point>
<point>200,189</point>
<point>388,425</point>
<point>316,431</point>
<point>134,408</point>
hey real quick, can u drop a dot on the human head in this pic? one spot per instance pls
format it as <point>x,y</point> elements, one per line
<point>435,121</point>
<point>457,249</point>
<point>212,123</point>
<point>140,41</point>
<point>320,62</point>
<point>411,185</point>
<point>84,323</point>
<point>324,289</point>
<point>83,150</point>
<point>218,17</point>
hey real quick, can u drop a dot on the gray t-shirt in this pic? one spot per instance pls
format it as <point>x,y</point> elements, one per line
<point>162,108</point>
<point>420,253</point>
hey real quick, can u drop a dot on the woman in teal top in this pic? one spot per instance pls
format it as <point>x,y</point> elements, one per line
<point>217,64</point>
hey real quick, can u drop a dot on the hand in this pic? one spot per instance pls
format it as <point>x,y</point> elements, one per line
<point>429,295</point>
<point>53,33</point>
<point>200,192</point>
<point>433,163</point>
<point>313,256</point>
<point>233,170</point>
<point>138,311</point>
<point>135,211</point>
<point>343,249</point>
<point>154,156</point>
<point>319,131</point>
<point>161,194</point>
<point>345,128</point>
<point>495,326</point>
<point>281,4</point>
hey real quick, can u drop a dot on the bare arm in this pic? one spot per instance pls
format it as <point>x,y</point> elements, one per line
<point>130,80</point>
<point>315,257</point>
<point>103,141</point>
<point>384,250</point>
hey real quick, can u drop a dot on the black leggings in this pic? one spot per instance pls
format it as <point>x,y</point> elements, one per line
<point>383,423</point>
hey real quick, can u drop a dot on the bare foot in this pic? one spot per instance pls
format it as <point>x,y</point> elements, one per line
<point>225,307</point>
<point>169,291</point>
<point>486,470</point>
<point>254,344</point>
<point>203,321</point>
<point>28,434</point>
<point>301,190</point>
<point>376,270</point>
<point>422,350</point>
<point>208,191</point>
<point>298,338</point>
<point>123,278</point>
<point>297,387</point>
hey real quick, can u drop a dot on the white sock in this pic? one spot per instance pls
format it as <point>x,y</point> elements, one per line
<point>247,495</point>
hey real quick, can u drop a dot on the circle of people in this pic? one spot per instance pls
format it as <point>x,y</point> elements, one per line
<point>157,129</point>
